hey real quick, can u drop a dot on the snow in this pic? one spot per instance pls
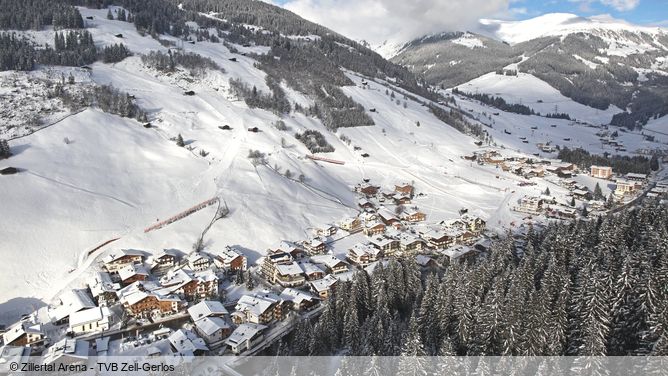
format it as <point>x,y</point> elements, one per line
<point>116,177</point>
<point>469,40</point>
<point>528,90</point>
<point>560,24</point>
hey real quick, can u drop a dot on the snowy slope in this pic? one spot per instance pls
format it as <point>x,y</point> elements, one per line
<point>528,90</point>
<point>559,24</point>
<point>116,177</point>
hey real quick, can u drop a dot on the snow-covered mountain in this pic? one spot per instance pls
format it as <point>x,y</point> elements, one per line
<point>597,61</point>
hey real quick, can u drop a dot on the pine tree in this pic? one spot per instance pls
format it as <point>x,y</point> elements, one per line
<point>547,191</point>
<point>5,151</point>
<point>179,141</point>
<point>110,16</point>
<point>598,193</point>
<point>572,201</point>
<point>250,283</point>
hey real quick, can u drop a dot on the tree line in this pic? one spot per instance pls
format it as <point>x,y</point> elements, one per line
<point>36,14</point>
<point>620,164</point>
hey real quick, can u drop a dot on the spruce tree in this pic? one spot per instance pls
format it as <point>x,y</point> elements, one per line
<point>179,141</point>
<point>110,16</point>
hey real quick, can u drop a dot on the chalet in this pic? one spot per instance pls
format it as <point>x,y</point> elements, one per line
<point>636,177</point>
<point>351,224</point>
<point>601,172</point>
<point>404,188</point>
<point>207,285</point>
<point>132,273</point>
<point>624,187</point>
<point>374,228</point>
<point>269,262</point>
<point>315,246</point>
<point>530,204</point>
<point>426,261</point>
<point>96,319</point>
<point>198,261</point>
<point>365,204</point>
<point>367,189</point>
<point>332,264</point>
<point>410,243</point>
<point>327,230</point>
<point>324,287</point>
<point>298,300</point>
<point>387,217</point>
<point>186,343</point>
<point>562,212</point>
<point>230,259</point>
<point>311,270</point>
<point>116,261</point>
<point>9,171</point>
<point>164,260</point>
<point>475,225</point>
<point>143,304</point>
<point>262,308</point>
<point>244,337</point>
<point>207,308</point>
<point>581,194</point>
<point>437,239</point>
<point>26,332</point>
<point>384,243</point>
<point>67,351</point>
<point>225,127</point>
<point>413,215</point>
<point>401,199</point>
<point>288,275</point>
<point>71,301</point>
<point>363,254</point>
<point>459,253</point>
<point>103,289</point>
<point>213,330</point>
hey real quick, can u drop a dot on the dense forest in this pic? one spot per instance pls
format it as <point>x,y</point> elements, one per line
<point>620,164</point>
<point>595,287</point>
<point>35,14</point>
<point>315,141</point>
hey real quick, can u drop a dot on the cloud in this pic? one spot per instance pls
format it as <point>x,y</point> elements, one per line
<point>618,5</point>
<point>400,20</point>
<point>621,5</point>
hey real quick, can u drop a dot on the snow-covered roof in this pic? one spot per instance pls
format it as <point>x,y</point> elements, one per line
<point>456,251</point>
<point>67,347</point>
<point>210,325</point>
<point>257,305</point>
<point>186,342</point>
<point>72,301</point>
<point>206,308</point>
<point>632,175</point>
<point>131,270</point>
<point>227,254</point>
<point>100,283</point>
<point>323,284</point>
<point>289,269</point>
<point>244,332</point>
<point>408,238</point>
<point>309,268</point>
<point>19,329</point>
<point>423,260</point>
<point>88,316</point>
<point>360,250</point>
<point>296,296</point>
<point>122,253</point>
<point>175,278</point>
<point>381,241</point>
<point>327,260</point>
<point>206,276</point>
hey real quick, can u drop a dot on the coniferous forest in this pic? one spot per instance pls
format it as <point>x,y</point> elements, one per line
<point>594,287</point>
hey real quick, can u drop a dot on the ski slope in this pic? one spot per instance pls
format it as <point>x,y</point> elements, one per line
<point>537,94</point>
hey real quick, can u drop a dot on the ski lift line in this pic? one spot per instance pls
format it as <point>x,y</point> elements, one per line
<point>329,160</point>
<point>182,215</point>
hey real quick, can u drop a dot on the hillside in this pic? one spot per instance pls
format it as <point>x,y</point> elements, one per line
<point>597,62</point>
<point>90,172</point>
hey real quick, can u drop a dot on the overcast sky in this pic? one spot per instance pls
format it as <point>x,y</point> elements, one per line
<point>378,20</point>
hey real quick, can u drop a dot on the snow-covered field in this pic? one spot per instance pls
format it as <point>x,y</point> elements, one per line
<point>115,177</point>
<point>537,94</point>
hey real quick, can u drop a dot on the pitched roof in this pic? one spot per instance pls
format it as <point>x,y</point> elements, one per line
<point>289,269</point>
<point>72,301</point>
<point>296,296</point>
<point>210,325</point>
<point>131,270</point>
<point>88,316</point>
<point>186,342</point>
<point>244,332</point>
<point>324,283</point>
<point>207,308</point>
